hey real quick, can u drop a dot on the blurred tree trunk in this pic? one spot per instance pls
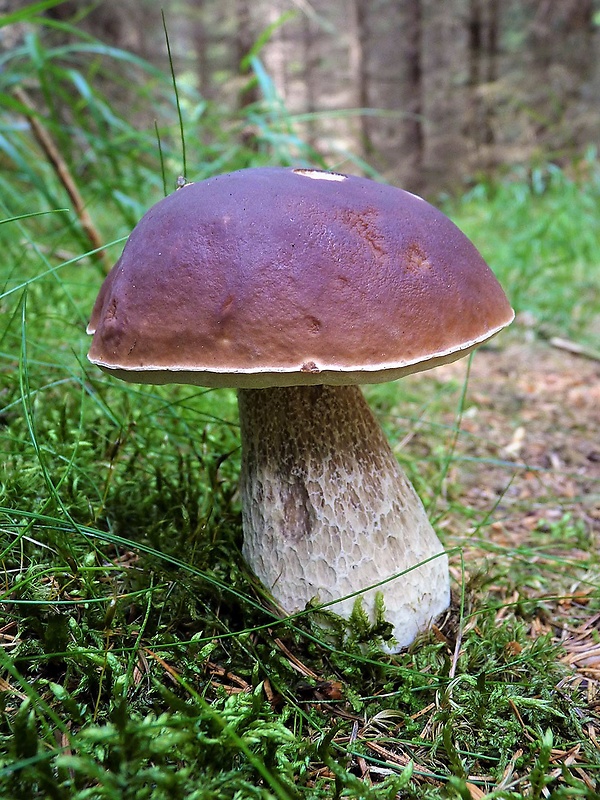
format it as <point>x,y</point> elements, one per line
<point>566,27</point>
<point>442,89</point>
<point>245,37</point>
<point>413,140</point>
<point>281,52</point>
<point>125,24</point>
<point>310,58</point>
<point>359,34</point>
<point>392,53</point>
<point>444,49</point>
<point>201,40</point>
<point>558,58</point>
<point>483,30</point>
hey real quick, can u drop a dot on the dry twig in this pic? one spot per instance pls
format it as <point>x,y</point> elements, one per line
<point>575,348</point>
<point>52,153</point>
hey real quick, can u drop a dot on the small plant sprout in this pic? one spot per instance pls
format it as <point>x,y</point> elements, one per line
<point>294,287</point>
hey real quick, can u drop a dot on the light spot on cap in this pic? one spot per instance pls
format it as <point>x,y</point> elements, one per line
<point>309,366</point>
<point>416,258</point>
<point>320,175</point>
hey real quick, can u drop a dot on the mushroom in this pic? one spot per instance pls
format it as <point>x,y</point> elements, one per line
<point>294,286</point>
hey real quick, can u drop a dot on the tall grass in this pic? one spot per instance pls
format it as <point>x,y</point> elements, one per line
<point>139,657</point>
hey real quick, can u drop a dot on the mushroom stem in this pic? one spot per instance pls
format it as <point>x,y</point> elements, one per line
<point>328,512</point>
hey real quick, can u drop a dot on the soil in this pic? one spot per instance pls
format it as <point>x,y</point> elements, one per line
<point>531,426</point>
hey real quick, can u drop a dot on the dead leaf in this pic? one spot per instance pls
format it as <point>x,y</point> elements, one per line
<point>474,791</point>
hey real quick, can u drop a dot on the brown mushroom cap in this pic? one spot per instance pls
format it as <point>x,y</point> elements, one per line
<point>274,276</point>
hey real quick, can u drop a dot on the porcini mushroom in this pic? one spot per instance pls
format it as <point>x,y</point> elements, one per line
<point>294,286</point>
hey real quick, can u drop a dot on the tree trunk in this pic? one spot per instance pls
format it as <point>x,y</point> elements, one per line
<point>245,36</point>
<point>358,70</point>
<point>483,31</point>
<point>445,92</point>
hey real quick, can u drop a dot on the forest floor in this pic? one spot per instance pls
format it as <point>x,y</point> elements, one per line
<point>530,450</point>
<point>536,408</point>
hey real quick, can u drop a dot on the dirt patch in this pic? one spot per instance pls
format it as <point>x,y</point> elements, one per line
<point>528,464</point>
<point>529,446</point>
